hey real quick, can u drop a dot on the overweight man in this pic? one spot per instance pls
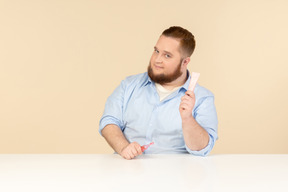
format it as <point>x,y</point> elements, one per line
<point>156,106</point>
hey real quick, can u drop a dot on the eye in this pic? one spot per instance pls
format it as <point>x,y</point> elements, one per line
<point>156,51</point>
<point>167,56</point>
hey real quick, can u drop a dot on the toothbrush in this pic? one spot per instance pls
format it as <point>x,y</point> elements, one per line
<point>144,147</point>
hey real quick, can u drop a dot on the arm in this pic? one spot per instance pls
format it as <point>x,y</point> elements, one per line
<point>195,136</point>
<point>116,139</point>
<point>111,125</point>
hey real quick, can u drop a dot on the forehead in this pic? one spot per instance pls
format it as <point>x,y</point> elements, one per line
<point>168,44</point>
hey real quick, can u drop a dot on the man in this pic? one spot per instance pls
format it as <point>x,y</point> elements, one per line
<point>157,106</point>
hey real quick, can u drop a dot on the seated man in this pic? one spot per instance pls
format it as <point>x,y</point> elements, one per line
<point>156,106</point>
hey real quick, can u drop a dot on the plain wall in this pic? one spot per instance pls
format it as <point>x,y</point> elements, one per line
<point>60,60</point>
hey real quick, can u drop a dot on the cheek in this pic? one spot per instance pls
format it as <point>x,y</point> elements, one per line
<point>152,57</point>
<point>171,65</point>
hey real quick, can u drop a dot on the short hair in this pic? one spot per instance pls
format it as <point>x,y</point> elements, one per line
<point>187,41</point>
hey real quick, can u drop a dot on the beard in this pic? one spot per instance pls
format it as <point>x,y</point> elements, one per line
<point>164,78</point>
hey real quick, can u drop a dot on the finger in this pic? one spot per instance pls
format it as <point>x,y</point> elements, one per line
<point>125,153</point>
<point>139,150</point>
<point>187,97</point>
<point>188,102</point>
<point>126,156</point>
<point>184,107</point>
<point>190,93</point>
<point>134,151</point>
<point>130,153</point>
<point>133,148</point>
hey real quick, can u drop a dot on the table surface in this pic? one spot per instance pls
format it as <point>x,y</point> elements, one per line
<point>169,172</point>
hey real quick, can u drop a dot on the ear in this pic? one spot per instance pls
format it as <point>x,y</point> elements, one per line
<point>186,61</point>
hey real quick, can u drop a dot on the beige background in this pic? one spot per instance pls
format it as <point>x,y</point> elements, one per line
<point>60,60</point>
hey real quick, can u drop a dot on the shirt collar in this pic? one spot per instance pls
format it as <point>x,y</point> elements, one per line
<point>148,80</point>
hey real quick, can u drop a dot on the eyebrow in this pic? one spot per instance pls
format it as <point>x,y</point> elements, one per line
<point>167,52</point>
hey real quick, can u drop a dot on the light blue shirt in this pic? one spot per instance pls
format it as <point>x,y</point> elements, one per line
<point>135,107</point>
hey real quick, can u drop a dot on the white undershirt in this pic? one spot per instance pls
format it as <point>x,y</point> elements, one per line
<point>162,92</point>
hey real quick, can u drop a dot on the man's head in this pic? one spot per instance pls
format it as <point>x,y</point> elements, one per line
<point>186,38</point>
<point>171,55</point>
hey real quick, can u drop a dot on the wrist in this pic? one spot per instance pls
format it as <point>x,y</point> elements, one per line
<point>122,148</point>
<point>189,122</point>
<point>188,118</point>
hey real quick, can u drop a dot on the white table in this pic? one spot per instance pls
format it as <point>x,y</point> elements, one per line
<point>183,172</point>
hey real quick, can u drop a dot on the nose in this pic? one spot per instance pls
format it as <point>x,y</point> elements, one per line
<point>158,58</point>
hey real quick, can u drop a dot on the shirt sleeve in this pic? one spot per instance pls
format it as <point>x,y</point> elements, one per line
<point>205,114</point>
<point>113,112</point>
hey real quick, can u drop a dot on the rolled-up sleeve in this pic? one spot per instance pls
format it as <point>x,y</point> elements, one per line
<point>113,112</point>
<point>206,116</point>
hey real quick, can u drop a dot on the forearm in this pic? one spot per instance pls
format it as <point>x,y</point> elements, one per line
<point>115,137</point>
<point>195,136</point>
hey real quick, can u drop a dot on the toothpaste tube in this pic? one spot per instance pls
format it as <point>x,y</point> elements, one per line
<point>194,78</point>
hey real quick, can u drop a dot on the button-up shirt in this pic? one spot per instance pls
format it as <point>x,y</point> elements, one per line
<point>135,107</point>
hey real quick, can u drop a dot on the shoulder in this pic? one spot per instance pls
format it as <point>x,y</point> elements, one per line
<point>204,98</point>
<point>201,91</point>
<point>136,80</point>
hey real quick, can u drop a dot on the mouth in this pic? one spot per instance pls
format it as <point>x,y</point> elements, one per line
<point>158,67</point>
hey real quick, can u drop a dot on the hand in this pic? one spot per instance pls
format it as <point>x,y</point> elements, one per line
<point>187,105</point>
<point>130,151</point>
